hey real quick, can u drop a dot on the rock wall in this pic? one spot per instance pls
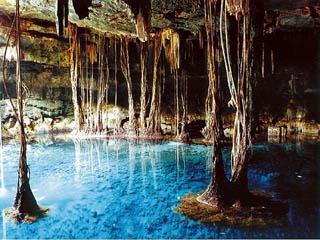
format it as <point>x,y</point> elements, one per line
<point>288,95</point>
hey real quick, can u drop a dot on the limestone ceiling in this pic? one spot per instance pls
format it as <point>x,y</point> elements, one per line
<point>116,17</point>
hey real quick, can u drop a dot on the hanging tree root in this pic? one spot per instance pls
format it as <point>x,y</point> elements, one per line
<point>25,206</point>
<point>260,212</point>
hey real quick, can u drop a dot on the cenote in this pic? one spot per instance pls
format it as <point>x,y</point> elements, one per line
<point>149,119</point>
<point>129,189</point>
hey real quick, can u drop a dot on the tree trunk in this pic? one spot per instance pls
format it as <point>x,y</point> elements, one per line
<point>25,202</point>
<point>251,71</point>
<point>241,100</point>
<point>240,88</point>
<point>217,193</point>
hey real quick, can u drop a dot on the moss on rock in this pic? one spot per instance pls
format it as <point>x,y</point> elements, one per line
<point>260,212</point>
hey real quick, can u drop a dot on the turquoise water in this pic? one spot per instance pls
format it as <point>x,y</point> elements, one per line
<point>123,189</point>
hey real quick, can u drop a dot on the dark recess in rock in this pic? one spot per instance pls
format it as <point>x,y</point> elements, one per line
<point>82,7</point>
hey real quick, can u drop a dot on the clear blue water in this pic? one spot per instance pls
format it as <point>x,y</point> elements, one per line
<point>122,189</point>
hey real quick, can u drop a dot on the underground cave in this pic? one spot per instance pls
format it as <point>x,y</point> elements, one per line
<point>159,119</point>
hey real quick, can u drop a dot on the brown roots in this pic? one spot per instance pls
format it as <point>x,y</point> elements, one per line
<point>25,207</point>
<point>17,217</point>
<point>259,212</point>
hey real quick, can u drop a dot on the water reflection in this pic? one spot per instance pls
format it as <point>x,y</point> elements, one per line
<point>2,184</point>
<point>77,162</point>
<point>125,189</point>
<point>132,162</point>
<point>143,165</point>
<point>4,227</point>
<point>209,161</point>
<point>177,157</point>
<point>88,156</point>
<point>92,157</point>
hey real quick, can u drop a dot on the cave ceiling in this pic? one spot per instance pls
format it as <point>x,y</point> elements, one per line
<point>116,16</point>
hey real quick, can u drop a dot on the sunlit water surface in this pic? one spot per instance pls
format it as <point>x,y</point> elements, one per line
<point>122,189</point>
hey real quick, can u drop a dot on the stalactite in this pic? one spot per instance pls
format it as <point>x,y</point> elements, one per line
<point>75,54</point>
<point>142,17</point>
<point>144,53</point>
<point>171,45</point>
<point>62,12</point>
<point>237,8</point>
<point>154,126</point>
<point>125,66</point>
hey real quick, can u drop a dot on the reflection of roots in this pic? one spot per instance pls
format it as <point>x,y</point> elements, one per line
<point>16,217</point>
<point>260,211</point>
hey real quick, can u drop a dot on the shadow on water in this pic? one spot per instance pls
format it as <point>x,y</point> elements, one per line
<point>129,189</point>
